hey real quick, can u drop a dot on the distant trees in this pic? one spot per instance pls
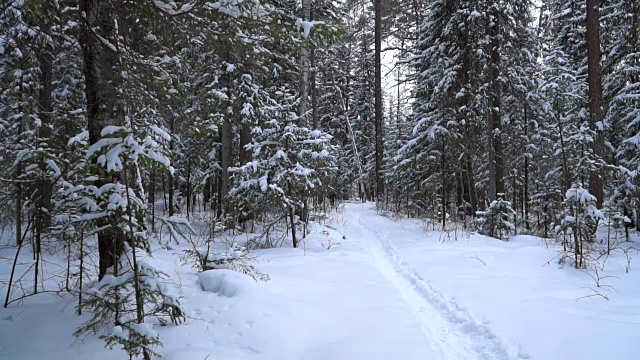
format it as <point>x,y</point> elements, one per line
<point>621,78</point>
<point>491,121</point>
<point>461,77</point>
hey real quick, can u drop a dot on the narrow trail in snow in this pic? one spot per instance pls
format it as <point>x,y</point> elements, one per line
<point>447,325</point>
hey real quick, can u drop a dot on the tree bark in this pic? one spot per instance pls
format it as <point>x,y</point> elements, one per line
<point>379,141</point>
<point>245,139</point>
<point>227,160</point>
<point>525,190</point>
<point>188,189</point>
<point>100,74</point>
<point>304,66</point>
<point>496,161</point>
<point>152,198</point>
<point>314,92</point>
<point>45,108</point>
<point>19,195</point>
<point>170,180</point>
<point>469,181</point>
<point>594,56</point>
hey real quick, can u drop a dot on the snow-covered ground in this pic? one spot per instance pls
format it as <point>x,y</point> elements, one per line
<point>515,289</point>
<point>382,290</point>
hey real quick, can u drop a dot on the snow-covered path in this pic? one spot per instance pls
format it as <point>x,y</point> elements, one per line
<point>449,327</point>
<point>338,305</point>
<point>356,300</point>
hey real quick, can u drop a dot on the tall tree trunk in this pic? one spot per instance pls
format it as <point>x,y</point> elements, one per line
<point>19,195</point>
<point>101,81</point>
<point>294,237</point>
<point>496,161</point>
<point>45,108</point>
<point>466,130</point>
<point>314,91</point>
<point>594,56</point>
<point>18,208</point>
<point>525,190</point>
<point>227,160</point>
<point>245,156</point>
<point>152,198</point>
<point>170,181</point>
<point>219,196</point>
<point>304,65</point>
<point>443,184</point>
<point>566,182</point>
<point>379,141</point>
<point>188,189</point>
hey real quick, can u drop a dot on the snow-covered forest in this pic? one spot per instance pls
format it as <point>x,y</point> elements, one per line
<point>319,179</point>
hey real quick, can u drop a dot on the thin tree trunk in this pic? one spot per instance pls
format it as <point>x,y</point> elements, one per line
<point>38,254</point>
<point>470,182</point>
<point>227,161</point>
<point>304,66</point>
<point>379,140</point>
<point>443,185</point>
<point>13,268</point>
<point>170,182</point>
<point>291,219</point>
<point>219,196</point>
<point>565,166</point>
<point>164,194</point>
<point>18,208</point>
<point>152,198</point>
<point>68,273</point>
<point>81,271</point>
<point>314,91</point>
<point>189,208</point>
<point>136,276</point>
<point>496,171</point>
<point>525,195</point>
<point>18,172</point>
<point>45,109</point>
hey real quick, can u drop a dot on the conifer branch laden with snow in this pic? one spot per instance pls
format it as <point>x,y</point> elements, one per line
<point>579,226</point>
<point>497,220</point>
<point>135,291</point>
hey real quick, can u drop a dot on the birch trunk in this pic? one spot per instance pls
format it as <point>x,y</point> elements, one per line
<point>304,66</point>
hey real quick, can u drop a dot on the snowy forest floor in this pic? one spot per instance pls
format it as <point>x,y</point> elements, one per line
<point>368,287</point>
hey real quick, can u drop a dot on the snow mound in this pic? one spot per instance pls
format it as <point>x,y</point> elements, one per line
<point>227,283</point>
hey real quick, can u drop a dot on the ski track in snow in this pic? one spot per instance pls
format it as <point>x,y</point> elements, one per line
<point>448,326</point>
